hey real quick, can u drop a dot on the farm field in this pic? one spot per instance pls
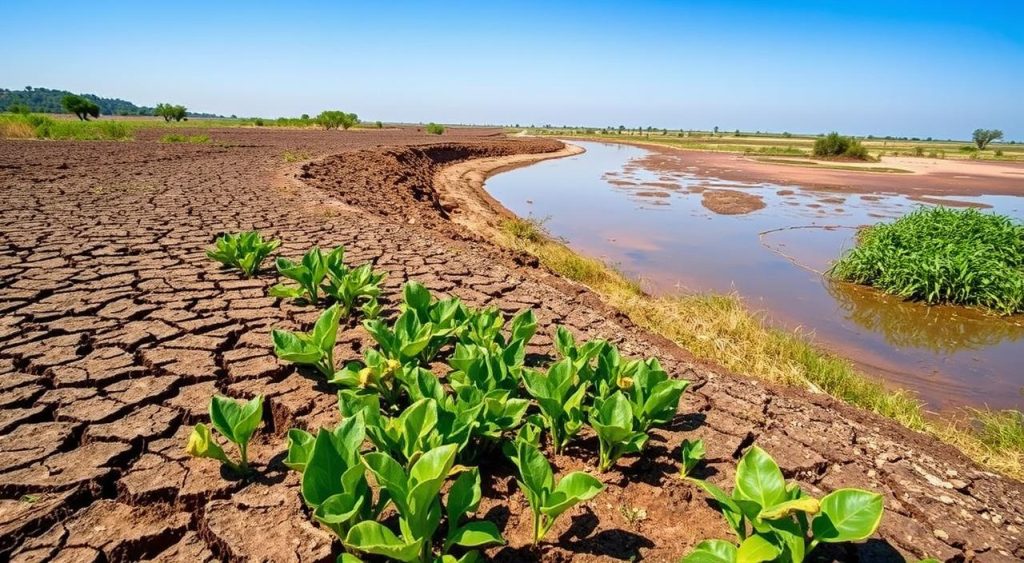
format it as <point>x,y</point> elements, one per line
<point>117,329</point>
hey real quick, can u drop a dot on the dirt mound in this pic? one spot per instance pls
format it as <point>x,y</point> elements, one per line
<point>116,329</point>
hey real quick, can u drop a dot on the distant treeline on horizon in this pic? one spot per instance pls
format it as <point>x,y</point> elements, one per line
<point>47,100</point>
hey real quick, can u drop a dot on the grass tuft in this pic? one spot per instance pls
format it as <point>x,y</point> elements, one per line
<point>720,329</point>
<point>939,255</point>
<point>190,139</point>
<point>43,127</point>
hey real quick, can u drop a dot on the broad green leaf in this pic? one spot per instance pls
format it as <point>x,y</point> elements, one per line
<point>479,533</point>
<point>730,510</point>
<point>338,510</point>
<point>756,549</point>
<point>348,558</point>
<point>847,515</point>
<point>692,453</point>
<point>300,447</point>
<point>534,469</point>
<point>290,347</point>
<point>322,476</point>
<point>416,296</point>
<point>374,538</point>
<point>759,479</point>
<point>712,551</point>
<point>574,488</point>
<point>325,332</point>
<point>464,496</point>
<point>390,475</point>
<point>236,421</point>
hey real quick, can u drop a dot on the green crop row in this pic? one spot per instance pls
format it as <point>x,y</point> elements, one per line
<point>408,438</point>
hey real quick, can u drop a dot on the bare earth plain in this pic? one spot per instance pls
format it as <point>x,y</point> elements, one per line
<point>116,329</point>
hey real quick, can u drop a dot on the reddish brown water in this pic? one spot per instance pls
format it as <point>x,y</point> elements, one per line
<point>654,226</point>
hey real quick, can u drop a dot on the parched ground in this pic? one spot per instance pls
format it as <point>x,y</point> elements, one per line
<point>115,330</point>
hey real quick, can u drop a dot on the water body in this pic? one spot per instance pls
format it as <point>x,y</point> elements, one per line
<point>654,226</point>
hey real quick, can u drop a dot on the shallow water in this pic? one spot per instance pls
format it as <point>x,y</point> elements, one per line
<point>652,225</point>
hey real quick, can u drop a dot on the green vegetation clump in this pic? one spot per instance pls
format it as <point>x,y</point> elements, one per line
<point>435,129</point>
<point>941,255</point>
<point>33,126</point>
<point>191,139</point>
<point>334,119</point>
<point>835,145</point>
<point>982,137</point>
<point>81,107</point>
<point>169,112</point>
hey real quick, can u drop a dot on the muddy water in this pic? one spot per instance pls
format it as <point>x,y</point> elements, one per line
<point>654,225</point>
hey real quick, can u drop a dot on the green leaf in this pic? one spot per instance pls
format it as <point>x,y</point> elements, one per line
<point>759,479</point>
<point>847,515</point>
<point>712,551</point>
<point>464,496</point>
<point>236,421</point>
<point>730,510</point>
<point>479,533</point>
<point>534,469</point>
<point>322,476</point>
<point>416,296</point>
<point>348,558</point>
<point>808,505</point>
<point>574,488</point>
<point>756,549</point>
<point>300,447</point>
<point>374,538</point>
<point>692,453</point>
<point>325,332</point>
<point>291,347</point>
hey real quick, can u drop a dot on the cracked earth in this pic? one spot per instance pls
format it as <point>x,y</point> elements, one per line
<point>115,330</point>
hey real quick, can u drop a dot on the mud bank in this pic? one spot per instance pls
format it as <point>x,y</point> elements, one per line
<point>116,330</point>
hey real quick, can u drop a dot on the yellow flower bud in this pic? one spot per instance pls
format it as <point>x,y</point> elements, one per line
<point>365,375</point>
<point>625,382</point>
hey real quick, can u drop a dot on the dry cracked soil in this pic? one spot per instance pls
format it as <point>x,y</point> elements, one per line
<point>115,330</point>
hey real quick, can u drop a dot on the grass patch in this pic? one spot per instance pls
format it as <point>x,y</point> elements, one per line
<point>296,156</point>
<point>816,164</point>
<point>17,126</point>
<point>719,328</point>
<point>940,255</point>
<point>190,139</point>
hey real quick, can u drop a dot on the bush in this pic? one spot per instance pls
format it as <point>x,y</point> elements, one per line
<point>435,129</point>
<point>334,119</point>
<point>81,107</point>
<point>835,145</point>
<point>169,112</point>
<point>940,255</point>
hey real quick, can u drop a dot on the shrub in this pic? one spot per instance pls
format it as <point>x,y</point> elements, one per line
<point>435,129</point>
<point>81,107</point>
<point>942,255</point>
<point>334,119</point>
<point>169,112</point>
<point>982,137</point>
<point>244,251</point>
<point>19,108</point>
<point>836,145</point>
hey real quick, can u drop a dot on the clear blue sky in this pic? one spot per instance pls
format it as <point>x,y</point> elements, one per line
<point>910,68</point>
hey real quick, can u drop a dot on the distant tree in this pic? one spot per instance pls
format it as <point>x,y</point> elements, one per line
<point>716,129</point>
<point>378,124</point>
<point>736,134</point>
<point>169,112</point>
<point>80,106</point>
<point>834,144</point>
<point>19,108</point>
<point>982,137</point>
<point>435,129</point>
<point>305,117</point>
<point>333,119</point>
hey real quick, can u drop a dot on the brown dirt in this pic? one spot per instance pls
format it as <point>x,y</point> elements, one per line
<point>115,330</point>
<point>731,202</point>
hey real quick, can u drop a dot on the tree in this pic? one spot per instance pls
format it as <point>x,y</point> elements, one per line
<point>716,129</point>
<point>982,137</point>
<point>334,119</point>
<point>169,112</point>
<point>80,106</point>
<point>18,107</point>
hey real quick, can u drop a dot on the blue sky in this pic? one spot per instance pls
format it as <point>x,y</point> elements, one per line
<point>903,68</point>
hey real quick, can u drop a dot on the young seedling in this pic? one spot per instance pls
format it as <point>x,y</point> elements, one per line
<point>692,454</point>
<point>416,494</point>
<point>375,373</point>
<point>653,395</point>
<point>314,348</point>
<point>349,285</point>
<point>549,500</point>
<point>235,421</point>
<point>308,274</point>
<point>371,308</point>
<point>612,420</point>
<point>581,355</point>
<point>407,341</point>
<point>244,251</point>
<point>446,317</point>
<point>559,394</point>
<point>784,522</point>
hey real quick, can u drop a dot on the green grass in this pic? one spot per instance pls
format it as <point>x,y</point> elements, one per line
<point>830,166</point>
<point>939,255</point>
<point>720,329</point>
<point>190,139</point>
<point>29,126</point>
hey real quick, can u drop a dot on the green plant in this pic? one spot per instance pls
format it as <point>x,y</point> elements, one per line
<point>416,494</point>
<point>784,522</point>
<point>334,482</point>
<point>559,394</point>
<point>308,274</point>
<point>423,425</point>
<point>549,500</point>
<point>80,106</point>
<point>371,308</point>
<point>653,396</point>
<point>348,285</point>
<point>982,137</point>
<point>940,255</point>
<point>435,129</point>
<point>245,251</point>
<point>834,144</point>
<point>692,452</point>
<point>375,372</point>
<point>334,119</point>
<point>447,317</point>
<point>169,112</point>
<point>580,355</point>
<point>235,421</point>
<point>613,421</point>
<point>315,348</point>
